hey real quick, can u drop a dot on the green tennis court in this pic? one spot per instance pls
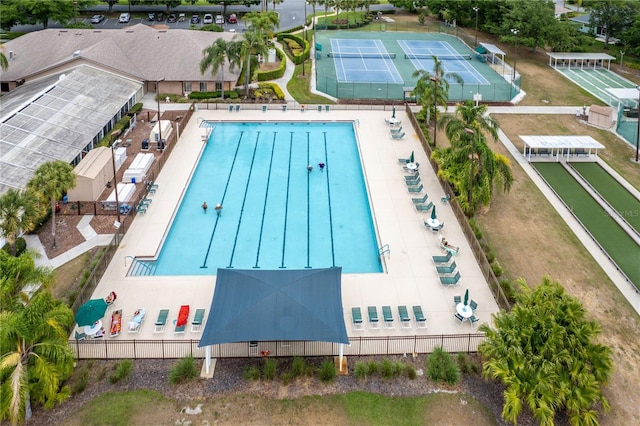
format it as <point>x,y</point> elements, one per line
<point>614,240</point>
<point>401,55</point>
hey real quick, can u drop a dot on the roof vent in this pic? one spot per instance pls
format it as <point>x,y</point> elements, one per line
<point>77,53</point>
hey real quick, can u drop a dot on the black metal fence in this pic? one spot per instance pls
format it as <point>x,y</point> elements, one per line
<point>358,346</point>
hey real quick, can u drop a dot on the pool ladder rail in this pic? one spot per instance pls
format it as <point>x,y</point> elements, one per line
<point>384,250</point>
<point>139,268</point>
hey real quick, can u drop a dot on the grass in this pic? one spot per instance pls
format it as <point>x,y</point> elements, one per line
<point>298,87</point>
<point>119,408</point>
<point>66,275</point>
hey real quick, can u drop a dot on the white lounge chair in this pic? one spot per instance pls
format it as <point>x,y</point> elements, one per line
<point>136,322</point>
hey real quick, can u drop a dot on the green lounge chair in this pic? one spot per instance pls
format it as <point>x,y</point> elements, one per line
<point>196,324</point>
<point>459,319</point>
<point>413,176</point>
<point>415,189</point>
<point>161,321</point>
<point>387,316</point>
<point>356,318</point>
<point>403,161</point>
<point>141,209</point>
<point>450,280</point>
<point>80,335</point>
<point>405,321</point>
<point>421,321</point>
<point>457,299</point>
<point>447,269</point>
<point>442,259</point>
<point>420,200</point>
<point>474,320</point>
<point>397,135</point>
<point>424,207</point>
<point>473,305</point>
<point>414,182</point>
<point>372,311</point>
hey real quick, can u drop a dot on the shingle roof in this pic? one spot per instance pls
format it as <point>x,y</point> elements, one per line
<point>140,51</point>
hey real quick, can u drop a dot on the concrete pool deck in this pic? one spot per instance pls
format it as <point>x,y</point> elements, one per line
<point>409,276</point>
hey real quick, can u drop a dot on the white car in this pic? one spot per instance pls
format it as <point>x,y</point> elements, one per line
<point>124,18</point>
<point>219,19</point>
<point>208,19</point>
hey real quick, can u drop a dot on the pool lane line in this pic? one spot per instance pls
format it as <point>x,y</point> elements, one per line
<point>266,196</point>
<point>244,200</point>
<point>327,170</point>
<point>215,226</point>
<point>286,203</point>
<point>308,206</point>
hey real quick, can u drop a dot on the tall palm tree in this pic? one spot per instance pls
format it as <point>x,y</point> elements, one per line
<point>17,278</point>
<point>216,56</point>
<point>52,180</point>
<point>432,90</point>
<point>255,41</point>
<point>18,213</point>
<point>36,358</point>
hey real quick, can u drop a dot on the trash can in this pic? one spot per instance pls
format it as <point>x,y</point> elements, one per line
<point>133,180</point>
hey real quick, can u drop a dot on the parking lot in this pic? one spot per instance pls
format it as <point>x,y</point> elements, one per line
<point>111,21</point>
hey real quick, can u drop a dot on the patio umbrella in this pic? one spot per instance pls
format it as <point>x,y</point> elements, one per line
<point>393,112</point>
<point>91,312</point>
<point>466,297</point>
<point>411,157</point>
<point>433,213</point>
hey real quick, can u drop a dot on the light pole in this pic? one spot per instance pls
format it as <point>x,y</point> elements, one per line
<point>621,56</point>
<point>435,108</point>
<point>115,186</point>
<point>638,129</point>
<point>160,144</point>
<point>304,47</point>
<point>476,9</point>
<point>515,48</point>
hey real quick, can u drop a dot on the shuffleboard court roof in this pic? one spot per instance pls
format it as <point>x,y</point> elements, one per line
<point>561,142</point>
<point>580,56</point>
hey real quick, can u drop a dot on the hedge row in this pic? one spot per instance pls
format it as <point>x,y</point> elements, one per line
<point>272,87</point>
<point>295,47</point>
<point>230,94</point>
<point>276,73</point>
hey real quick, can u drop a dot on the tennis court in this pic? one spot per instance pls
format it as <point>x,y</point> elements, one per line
<point>381,65</point>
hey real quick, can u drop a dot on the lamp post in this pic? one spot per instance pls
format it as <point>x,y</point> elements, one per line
<point>115,186</point>
<point>476,9</point>
<point>160,144</point>
<point>515,48</point>
<point>638,129</point>
<point>621,56</point>
<point>435,108</point>
<point>304,58</point>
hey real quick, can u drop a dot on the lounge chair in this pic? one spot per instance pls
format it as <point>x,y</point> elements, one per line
<point>230,108</point>
<point>442,259</point>
<point>80,335</point>
<point>136,322</point>
<point>146,201</point>
<point>450,280</point>
<point>413,182</point>
<point>356,318</point>
<point>319,108</point>
<point>445,199</point>
<point>161,321</point>
<point>141,209</point>
<point>395,130</point>
<point>116,323</point>
<point>420,200</point>
<point>183,318</point>
<point>457,299</point>
<point>397,135</point>
<point>403,160</point>
<point>458,319</point>
<point>424,207</point>
<point>448,269</point>
<point>372,311</point>
<point>473,305</point>
<point>415,188</point>
<point>237,108</point>
<point>403,314</point>
<point>473,319</point>
<point>327,108</point>
<point>394,123</point>
<point>387,316</point>
<point>196,323</point>
<point>421,321</point>
<point>413,176</point>
<point>284,108</point>
<point>264,108</point>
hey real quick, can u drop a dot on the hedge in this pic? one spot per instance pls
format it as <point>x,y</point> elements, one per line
<point>273,86</point>
<point>276,73</point>
<point>231,94</point>
<point>293,42</point>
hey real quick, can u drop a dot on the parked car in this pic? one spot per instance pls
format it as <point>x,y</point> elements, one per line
<point>159,17</point>
<point>233,19</point>
<point>172,18</point>
<point>208,19</point>
<point>151,16</point>
<point>219,19</point>
<point>182,17</point>
<point>124,18</point>
<point>195,19</point>
<point>96,19</point>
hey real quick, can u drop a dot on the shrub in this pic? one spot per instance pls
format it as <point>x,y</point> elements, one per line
<point>327,372</point>
<point>81,380</point>
<point>21,246</point>
<point>410,372</point>
<point>373,368</point>
<point>476,229</point>
<point>497,269</point>
<point>466,364</point>
<point>287,377</point>
<point>441,368</point>
<point>183,371</point>
<point>386,369</point>
<point>361,371</point>
<point>123,369</point>
<point>298,366</point>
<point>398,367</point>
<point>211,27</point>
<point>269,369</point>
<point>251,372</point>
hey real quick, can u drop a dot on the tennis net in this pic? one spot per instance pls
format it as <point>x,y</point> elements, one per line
<point>379,55</point>
<point>440,57</point>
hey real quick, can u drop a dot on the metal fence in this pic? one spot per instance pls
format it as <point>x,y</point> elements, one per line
<point>358,346</point>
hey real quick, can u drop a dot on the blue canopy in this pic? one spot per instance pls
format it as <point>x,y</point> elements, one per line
<point>268,305</point>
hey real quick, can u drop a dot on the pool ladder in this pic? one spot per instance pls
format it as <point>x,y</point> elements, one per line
<point>384,250</point>
<point>146,269</point>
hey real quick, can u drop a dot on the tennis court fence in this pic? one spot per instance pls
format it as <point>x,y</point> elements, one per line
<point>380,55</point>
<point>440,57</point>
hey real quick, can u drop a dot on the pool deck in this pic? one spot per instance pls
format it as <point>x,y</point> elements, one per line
<point>409,278</point>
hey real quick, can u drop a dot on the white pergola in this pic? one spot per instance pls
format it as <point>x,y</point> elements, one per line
<point>628,95</point>
<point>560,146</point>
<point>562,59</point>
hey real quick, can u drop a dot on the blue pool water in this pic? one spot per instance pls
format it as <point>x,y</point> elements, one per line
<point>275,213</point>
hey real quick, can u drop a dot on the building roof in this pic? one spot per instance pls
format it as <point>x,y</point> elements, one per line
<point>580,56</point>
<point>282,304</point>
<point>93,163</point>
<point>492,48</point>
<point>139,51</point>
<point>56,118</point>
<point>562,142</point>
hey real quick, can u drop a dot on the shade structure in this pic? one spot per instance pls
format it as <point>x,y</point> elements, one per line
<point>270,305</point>
<point>393,112</point>
<point>91,312</point>
<point>466,297</point>
<point>433,212</point>
<point>411,157</point>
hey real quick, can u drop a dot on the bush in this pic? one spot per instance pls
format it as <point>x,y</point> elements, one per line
<point>211,27</point>
<point>466,364</point>
<point>298,366</point>
<point>269,369</point>
<point>123,369</point>
<point>476,229</point>
<point>497,269</point>
<point>410,372</point>
<point>441,368</point>
<point>80,381</point>
<point>360,371</point>
<point>373,368</point>
<point>276,73</point>
<point>386,368</point>
<point>398,368</point>
<point>232,94</point>
<point>327,372</point>
<point>183,371</point>
<point>287,377</point>
<point>21,246</point>
<point>251,372</point>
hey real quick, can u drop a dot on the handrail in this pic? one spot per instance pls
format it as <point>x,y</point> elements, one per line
<point>144,265</point>
<point>384,250</point>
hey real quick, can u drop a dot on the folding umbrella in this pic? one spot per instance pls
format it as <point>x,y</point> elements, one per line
<point>466,297</point>
<point>433,213</point>
<point>411,158</point>
<point>393,112</point>
<point>91,312</point>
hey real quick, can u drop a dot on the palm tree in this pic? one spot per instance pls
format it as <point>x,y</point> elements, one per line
<point>18,213</point>
<point>215,57</point>
<point>19,277</point>
<point>255,40</point>
<point>52,180</point>
<point>432,89</point>
<point>36,358</point>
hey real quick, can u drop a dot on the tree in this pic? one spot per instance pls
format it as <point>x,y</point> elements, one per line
<point>535,21</point>
<point>51,181</point>
<point>432,89</point>
<point>36,358</point>
<point>469,164</point>
<point>18,213</point>
<point>543,350</point>
<point>255,40</point>
<point>216,56</point>
<point>19,278</point>
<point>613,16</point>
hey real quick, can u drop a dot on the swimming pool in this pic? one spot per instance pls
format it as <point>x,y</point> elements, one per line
<point>276,214</point>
